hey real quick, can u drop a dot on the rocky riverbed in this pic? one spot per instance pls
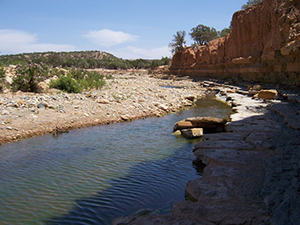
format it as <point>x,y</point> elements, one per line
<point>252,173</point>
<point>127,95</point>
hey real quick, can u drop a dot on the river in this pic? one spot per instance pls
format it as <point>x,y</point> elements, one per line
<point>92,175</point>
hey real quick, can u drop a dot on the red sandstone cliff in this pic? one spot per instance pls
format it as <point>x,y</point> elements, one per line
<point>264,45</point>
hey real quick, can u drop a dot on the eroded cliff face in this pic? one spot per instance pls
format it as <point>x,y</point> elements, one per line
<point>263,46</point>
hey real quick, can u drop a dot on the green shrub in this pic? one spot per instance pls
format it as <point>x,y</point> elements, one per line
<point>78,80</point>
<point>66,83</point>
<point>2,78</point>
<point>92,80</point>
<point>28,76</point>
<point>77,74</point>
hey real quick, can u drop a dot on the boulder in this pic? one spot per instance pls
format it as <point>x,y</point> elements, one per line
<point>209,124</point>
<point>177,133</point>
<point>102,101</point>
<point>255,89</point>
<point>42,87</point>
<point>267,94</point>
<point>192,132</point>
<point>182,125</point>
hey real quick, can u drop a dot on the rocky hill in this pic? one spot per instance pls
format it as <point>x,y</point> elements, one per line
<point>263,46</point>
<point>82,59</point>
<point>68,55</point>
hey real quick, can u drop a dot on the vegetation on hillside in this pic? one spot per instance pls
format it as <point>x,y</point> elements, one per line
<point>81,59</point>
<point>251,3</point>
<point>203,34</point>
<point>27,77</point>
<point>2,78</point>
<point>32,68</point>
<point>200,34</point>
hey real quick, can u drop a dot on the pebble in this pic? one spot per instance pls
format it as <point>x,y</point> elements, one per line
<point>135,97</point>
<point>5,112</point>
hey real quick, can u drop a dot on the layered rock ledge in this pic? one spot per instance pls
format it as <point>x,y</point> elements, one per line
<point>252,173</point>
<point>263,46</point>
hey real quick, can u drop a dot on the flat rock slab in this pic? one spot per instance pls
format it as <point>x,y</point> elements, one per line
<point>221,212</point>
<point>289,112</point>
<point>206,121</point>
<point>220,156</point>
<point>224,144</point>
<point>209,124</point>
<point>267,94</point>
<point>224,188</point>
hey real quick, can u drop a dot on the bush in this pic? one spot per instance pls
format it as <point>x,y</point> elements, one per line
<point>92,80</point>
<point>78,80</point>
<point>251,3</point>
<point>2,78</point>
<point>28,76</point>
<point>66,83</point>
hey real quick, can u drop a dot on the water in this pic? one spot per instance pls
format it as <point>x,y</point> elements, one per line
<point>91,175</point>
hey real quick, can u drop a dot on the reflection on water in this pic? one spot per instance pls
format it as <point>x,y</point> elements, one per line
<point>91,175</point>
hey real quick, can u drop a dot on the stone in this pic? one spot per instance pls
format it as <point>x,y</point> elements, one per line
<point>177,133</point>
<point>41,105</point>
<point>192,133</point>
<point>209,124</point>
<point>191,98</point>
<point>21,102</point>
<point>5,112</point>
<point>182,125</point>
<point>42,86</point>
<point>163,107</point>
<point>125,117</point>
<point>102,101</point>
<point>267,94</point>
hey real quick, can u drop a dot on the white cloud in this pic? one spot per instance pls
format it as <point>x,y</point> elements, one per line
<point>109,38</point>
<point>131,52</point>
<point>16,41</point>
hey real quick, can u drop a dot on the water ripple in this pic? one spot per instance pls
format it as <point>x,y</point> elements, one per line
<point>90,176</point>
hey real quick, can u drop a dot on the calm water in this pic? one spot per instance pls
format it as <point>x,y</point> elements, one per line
<point>92,175</point>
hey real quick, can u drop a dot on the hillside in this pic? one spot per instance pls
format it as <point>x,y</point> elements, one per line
<point>81,59</point>
<point>263,46</point>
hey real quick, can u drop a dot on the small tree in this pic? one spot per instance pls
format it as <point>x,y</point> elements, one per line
<point>178,41</point>
<point>224,32</point>
<point>251,3</point>
<point>203,34</point>
<point>2,78</point>
<point>28,76</point>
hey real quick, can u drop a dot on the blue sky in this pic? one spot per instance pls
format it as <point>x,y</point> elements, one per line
<point>126,28</point>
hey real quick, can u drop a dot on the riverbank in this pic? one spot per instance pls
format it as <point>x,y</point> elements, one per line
<point>127,95</point>
<point>252,170</point>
